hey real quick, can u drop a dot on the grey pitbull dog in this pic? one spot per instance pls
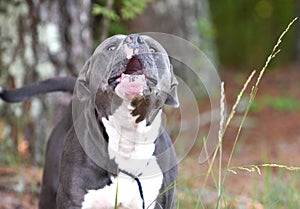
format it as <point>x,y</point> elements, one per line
<point>110,149</point>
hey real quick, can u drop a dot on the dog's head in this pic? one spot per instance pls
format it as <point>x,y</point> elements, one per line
<point>134,68</point>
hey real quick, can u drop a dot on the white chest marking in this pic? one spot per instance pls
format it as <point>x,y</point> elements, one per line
<point>131,145</point>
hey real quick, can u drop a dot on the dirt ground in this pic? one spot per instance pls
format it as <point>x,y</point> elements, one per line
<point>271,135</point>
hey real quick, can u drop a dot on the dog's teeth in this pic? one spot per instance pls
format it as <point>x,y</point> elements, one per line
<point>133,78</point>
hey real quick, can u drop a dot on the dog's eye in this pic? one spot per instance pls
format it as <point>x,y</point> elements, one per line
<point>152,50</point>
<point>111,48</point>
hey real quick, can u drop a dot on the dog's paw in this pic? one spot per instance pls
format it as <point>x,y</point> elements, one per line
<point>105,198</point>
<point>98,199</point>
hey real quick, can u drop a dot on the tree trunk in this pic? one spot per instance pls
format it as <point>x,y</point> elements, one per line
<point>40,39</point>
<point>187,19</point>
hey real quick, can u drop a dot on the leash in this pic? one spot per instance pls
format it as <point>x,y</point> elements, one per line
<point>136,178</point>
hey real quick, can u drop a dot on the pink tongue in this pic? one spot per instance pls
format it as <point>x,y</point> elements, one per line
<point>133,88</point>
<point>131,85</point>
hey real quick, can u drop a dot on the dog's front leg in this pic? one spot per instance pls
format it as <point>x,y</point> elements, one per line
<point>122,192</point>
<point>78,174</point>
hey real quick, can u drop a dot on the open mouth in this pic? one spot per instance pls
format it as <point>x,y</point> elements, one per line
<point>134,67</point>
<point>132,71</point>
<point>130,81</point>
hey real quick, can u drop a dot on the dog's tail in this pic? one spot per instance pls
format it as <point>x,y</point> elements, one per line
<point>65,84</point>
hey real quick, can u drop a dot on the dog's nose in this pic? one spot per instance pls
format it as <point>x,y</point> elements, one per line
<point>134,40</point>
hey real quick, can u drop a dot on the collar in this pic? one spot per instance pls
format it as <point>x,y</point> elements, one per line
<point>136,178</point>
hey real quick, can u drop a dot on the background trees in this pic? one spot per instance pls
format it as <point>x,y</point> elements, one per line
<point>39,39</point>
<point>246,30</point>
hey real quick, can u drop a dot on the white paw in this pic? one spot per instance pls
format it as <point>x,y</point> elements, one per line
<point>98,199</point>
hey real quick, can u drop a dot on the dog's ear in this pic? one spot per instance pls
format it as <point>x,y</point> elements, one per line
<point>172,98</point>
<point>82,84</point>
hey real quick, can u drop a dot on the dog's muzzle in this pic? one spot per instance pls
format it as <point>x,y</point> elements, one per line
<point>134,72</point>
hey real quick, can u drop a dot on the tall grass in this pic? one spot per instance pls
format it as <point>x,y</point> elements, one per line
<point>220,178</point>
<point>252,95</point>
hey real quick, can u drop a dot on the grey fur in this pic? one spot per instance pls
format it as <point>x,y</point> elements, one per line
<point>69,169</point>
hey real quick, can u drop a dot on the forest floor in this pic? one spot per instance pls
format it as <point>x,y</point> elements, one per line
<point>271,135</point>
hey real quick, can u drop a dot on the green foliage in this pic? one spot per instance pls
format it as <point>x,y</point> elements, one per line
<point>206,28</point>
<point>117,28</point>
<point>132,8</point>
<point>280,189</point>
<point>280,103</point>
<point>238,23</point>
<point>207,31</point>
<point>108,13</point>
<point>9,154</point>
<point>122,9</point>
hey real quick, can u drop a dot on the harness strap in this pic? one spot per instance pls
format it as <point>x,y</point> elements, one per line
<point>136,178</point>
